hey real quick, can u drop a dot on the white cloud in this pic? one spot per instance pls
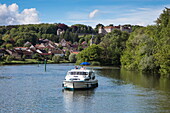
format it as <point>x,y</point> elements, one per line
<point>93,13</point>
<point>9,15</point>
<point>137,16</point>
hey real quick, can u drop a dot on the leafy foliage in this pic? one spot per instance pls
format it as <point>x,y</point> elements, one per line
<point>113,44</point>
<point>17,35</point>
<point>92,53</point>
<point>72,57</point>
<point>148,48</point>
<point>56,58</point>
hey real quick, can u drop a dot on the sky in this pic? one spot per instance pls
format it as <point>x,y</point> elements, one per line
<point>88,12</point>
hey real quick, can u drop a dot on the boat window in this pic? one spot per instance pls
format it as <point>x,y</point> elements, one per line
<point>90,73</point>
<point>86,73</point>
<point>72,73</point>
<point>78,73</point>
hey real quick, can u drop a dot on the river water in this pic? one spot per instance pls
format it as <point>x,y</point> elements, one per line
<point>29,89</point>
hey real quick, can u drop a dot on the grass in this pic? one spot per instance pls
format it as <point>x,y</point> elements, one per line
<point>27,61</point>
<point>30,61</point>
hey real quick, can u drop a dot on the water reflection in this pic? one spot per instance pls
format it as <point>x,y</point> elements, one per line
<point>150,92</point>
<point>122,76</point>
<point>78,100</point>
<point>4,77</point>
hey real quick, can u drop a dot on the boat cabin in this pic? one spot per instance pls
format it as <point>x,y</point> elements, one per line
<point>88,74</point>
<point>80,79</point>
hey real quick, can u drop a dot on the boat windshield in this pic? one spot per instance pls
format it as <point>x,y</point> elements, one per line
<point>78,73</point>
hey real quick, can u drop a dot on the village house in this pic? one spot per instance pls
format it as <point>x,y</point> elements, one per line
<point>32,48</point>
<point>24,51</point>
<point>58,52</point>
<point>84,44</point>
<point>40,46</point>
<point>27,44</point>
<point>74,46</point>
<point>3,52</point>
<point>65,44</point>
<point>13,53</point>
<point>45,45</point>
<point>59,32</point>
<point>19,52</point>
<point>108,29</point>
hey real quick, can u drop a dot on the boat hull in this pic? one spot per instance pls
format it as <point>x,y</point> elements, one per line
<point>80,84</point>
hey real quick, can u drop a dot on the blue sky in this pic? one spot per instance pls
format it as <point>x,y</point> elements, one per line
<point>88,12</point>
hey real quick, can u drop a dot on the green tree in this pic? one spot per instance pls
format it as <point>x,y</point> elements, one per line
<point>6,38</point>
<point>1,42</point>
<point>113,43</point>
<point>92,53</point>
<point>72,57</point>
<point>9,46</point>
<point>37,57</point>
<point>97,27</point>
<point>80,48</point>
<point>56,58</point>
<point>20,42</point>
<point>140,50</point>
<point>148,48</point>
<point>164,18</point>
<point>81,40</point>
<point>67,53</point>
<point>9,58</point>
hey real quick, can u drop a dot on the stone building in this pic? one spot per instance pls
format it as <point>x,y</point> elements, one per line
<point>108,29</point>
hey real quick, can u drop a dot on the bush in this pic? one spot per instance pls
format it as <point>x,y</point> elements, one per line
<point>56,58</point>
<point>147,64</point>
<point>95,63</point>
<point>38,57</point>
<point>9,46</point>
<point>72,57</point>
<point>9,58</point>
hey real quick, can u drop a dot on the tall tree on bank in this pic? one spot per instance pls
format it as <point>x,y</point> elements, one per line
<point>163,43</point>
<point>148,48</point>
<point>113,43</point>
<point>90,54</point>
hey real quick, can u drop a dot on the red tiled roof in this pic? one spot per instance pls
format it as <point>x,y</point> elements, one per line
<point>57,52</point>
<point>84,42</point>
<point>109,27</point>
<point>37,45</point>
<point>21,48</point>
<point>76,52</point>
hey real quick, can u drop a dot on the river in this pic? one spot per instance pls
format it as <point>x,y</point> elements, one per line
<point>29,89</point>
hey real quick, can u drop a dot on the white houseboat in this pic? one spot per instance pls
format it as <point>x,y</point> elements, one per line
<point>80,79</point>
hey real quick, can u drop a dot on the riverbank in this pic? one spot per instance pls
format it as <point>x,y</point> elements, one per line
<point>30,61</point>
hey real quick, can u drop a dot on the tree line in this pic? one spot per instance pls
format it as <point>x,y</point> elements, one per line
<point>17,35</point>
<point>146,49</point>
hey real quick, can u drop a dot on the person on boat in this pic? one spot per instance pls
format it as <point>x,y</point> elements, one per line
<point>76,67</point>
